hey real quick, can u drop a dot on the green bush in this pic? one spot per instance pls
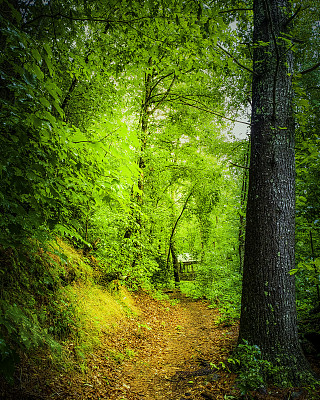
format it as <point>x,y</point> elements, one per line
<point>252,370</point>
<point>221,285</point>
<point>20,330</point>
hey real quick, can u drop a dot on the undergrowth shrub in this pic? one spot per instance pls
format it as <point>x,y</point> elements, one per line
<point>221,285</point>
<point>25,292</point>
<point>62,316</point>
<point>252,370</point>
<point>98,311</point>
<point>50,297</point>
<point>21,330</point>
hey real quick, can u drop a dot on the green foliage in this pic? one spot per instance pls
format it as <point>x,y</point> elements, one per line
<point>28,296</point>
<point>63,317</point>
<point>23,194</point>
<point>306,110</point>
<point>121,357</point>
<point>251,369</point>
<point>217,276</point>
<point>221,286</point>
<point>51,297</point>
<point>82,174</point>
<point>21,330</point>
<point>108,130</point>
<point>254,372</point>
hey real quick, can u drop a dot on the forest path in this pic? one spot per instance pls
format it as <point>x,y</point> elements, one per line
<point>173,346</point>
<point>164,353</point>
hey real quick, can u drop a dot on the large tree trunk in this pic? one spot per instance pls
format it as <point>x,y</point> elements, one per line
<point>268,312</point>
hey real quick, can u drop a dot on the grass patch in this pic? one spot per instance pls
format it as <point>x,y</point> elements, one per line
<point>96,312</point>
<point>51,301</point>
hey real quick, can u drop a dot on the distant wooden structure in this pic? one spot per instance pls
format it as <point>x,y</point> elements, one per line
<point>186,267</point>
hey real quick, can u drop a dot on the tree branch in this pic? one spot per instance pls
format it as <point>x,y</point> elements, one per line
<point>166,93</point>
<point>240,166</point>
<point>235,60</point>
<point>104,20</point>
<point>83,19</point>
<point>214,113</point>
<point>306,71</point>
<point>292,17</point>
<point>235,9</point>
<point>157,83</point>
<point>68,95</point>
<point>95,141</point>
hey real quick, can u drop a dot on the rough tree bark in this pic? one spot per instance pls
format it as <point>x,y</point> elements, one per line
<point>268,313</point>
<point>243,199</point>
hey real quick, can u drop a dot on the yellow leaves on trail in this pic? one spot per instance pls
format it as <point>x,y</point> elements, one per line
<point>157,354</point>
<point>156,351</point>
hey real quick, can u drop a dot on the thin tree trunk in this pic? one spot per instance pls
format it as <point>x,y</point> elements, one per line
<point>143,127</point>
<point>176,223</point>
<point>268,311</point>
<point>175,264</point>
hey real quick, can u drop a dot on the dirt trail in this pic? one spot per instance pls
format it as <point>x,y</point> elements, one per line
<point>163,354</point>
<point>174,355</point>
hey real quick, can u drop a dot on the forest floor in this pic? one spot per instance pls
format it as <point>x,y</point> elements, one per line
<point>165,353</point>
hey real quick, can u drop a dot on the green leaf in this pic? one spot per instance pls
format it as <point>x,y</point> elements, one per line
<point>36,121</point>
<point>58,108</point>
<point>293,271</point>
<point>44,102</point>
<point>47,49</point>
<point>48,64</point>
<point>317,262</point>
<point>49,117</point>
<point>36,54</point>
<point>38,72</point>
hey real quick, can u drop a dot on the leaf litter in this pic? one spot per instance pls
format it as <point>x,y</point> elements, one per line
<point>170,351</point>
